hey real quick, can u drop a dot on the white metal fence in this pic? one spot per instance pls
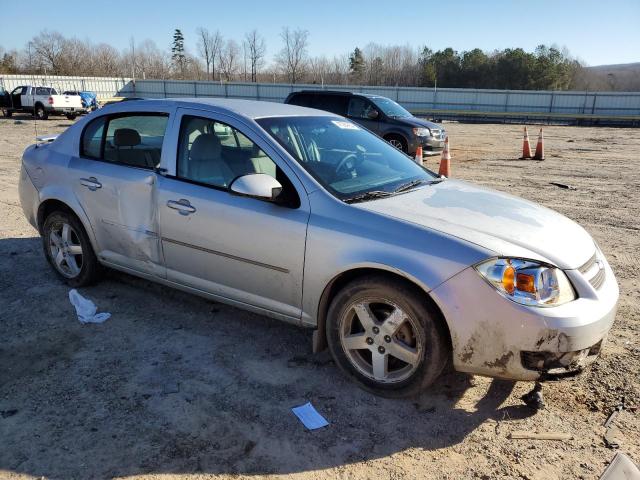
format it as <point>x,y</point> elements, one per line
<point>455,101</point>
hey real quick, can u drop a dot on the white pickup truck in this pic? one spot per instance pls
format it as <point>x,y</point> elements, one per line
<point>42,102</point>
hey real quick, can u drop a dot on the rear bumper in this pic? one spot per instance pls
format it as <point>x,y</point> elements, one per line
<point>29,197</point>
<point>496,337</point>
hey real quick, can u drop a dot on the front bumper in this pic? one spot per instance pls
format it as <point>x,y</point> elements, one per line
<point>496,337</point>
<point>430,145</point>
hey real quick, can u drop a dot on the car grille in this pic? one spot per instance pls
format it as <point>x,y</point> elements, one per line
<point>594,271</point>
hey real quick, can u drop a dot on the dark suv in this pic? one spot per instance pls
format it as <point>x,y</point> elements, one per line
<point>379,114</point>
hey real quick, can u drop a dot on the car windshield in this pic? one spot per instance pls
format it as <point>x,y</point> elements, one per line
<point>350,162</point>
<point>390,108</point>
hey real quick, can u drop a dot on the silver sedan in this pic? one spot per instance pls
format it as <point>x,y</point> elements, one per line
<point>309,218</point>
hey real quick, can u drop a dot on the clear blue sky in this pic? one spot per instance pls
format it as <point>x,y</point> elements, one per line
<point>597,32</point>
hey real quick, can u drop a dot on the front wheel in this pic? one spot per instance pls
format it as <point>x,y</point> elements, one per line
<point>7,113</point>
<point>69,250</point>
<point>386,336</point>
<point>398,142</point>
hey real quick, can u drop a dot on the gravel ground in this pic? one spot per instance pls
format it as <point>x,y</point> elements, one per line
<point>174,386</point>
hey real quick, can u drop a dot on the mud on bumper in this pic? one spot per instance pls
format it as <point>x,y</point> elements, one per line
<point>496,337</point>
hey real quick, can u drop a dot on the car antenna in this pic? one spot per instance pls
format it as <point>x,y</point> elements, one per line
<point>33,101</point>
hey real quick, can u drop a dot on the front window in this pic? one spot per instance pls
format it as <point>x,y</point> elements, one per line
<point>390,108</point>
<point>347,160</point>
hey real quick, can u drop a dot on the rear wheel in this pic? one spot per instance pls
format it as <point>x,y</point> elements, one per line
<point>386,336</point>
<point>7,113</point>
<point>71,116</point>
<point>40,113</point>
<point>69,250</point>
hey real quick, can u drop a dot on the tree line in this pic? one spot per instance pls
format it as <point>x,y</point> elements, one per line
<point>226,59</point>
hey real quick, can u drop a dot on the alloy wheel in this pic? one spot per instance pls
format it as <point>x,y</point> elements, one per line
<point>396,143</point>
<point>381,341</point>
<point>66,250</point>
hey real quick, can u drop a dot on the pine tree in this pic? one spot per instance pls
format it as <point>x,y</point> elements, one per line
<point>356,64</point>
<point>177,51</point>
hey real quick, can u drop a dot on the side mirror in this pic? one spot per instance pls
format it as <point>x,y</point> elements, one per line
<point>373,114</point>
<point>256,185</point>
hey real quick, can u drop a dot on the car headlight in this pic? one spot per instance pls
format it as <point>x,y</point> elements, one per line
<point>422,132</point>
<point>527,282</point>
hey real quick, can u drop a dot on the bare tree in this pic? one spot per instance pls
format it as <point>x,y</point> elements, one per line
<point>256,50</point>
<point>105,60</point>
<point>293,56</point>
<point>209,49</point>
<point>229,59</point>
<point>48,50</point>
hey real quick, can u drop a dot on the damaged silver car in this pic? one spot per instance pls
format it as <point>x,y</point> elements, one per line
<point>307,217</point>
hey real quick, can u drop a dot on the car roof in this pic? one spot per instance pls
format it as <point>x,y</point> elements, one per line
<point>248,108</point>
<point>338,92</point>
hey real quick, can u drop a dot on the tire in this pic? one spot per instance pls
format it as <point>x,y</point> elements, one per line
<point>364,315</point>
<point>77,269</point>
<point>71,116</point>
<point>8,113</point>
<point>39,112</point>
<point>398,142</point>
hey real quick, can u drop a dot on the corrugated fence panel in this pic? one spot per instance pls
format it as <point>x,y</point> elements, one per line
<point>456,100</point>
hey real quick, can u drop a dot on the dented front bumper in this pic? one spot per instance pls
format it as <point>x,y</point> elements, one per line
<point>496,337</point>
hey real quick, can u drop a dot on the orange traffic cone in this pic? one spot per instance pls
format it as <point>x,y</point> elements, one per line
<point>526,146</point>
<point>418,157</point>
<point>445,160</point>
<point>539,155</point>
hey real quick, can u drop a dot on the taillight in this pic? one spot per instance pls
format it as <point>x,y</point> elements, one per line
<point>50,100</point>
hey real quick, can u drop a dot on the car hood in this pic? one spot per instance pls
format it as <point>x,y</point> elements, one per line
<point>505,224</point>
<point>419,122</point>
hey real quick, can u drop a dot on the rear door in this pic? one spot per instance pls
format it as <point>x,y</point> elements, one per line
<point>333,103</point>
<point>115,180</point>
<point>245,250</point>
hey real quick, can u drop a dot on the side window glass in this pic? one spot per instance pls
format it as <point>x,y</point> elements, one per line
<point>135,140</point>
<point>214,153</point>
<point>92,138</point>
<point>359,108</point>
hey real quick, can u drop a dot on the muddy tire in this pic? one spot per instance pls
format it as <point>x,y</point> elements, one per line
<point>387,336</point>
<point>69,251</point>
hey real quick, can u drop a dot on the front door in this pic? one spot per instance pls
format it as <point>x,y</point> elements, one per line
<point>359,110</point>
<point>245,250</point>
<point>16,97</point>
<point>114,179</point>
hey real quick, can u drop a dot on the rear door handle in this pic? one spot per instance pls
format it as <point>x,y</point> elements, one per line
<point>91,183</point>
<point>183,206</point>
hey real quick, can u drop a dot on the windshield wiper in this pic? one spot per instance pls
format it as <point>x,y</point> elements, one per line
<point>414,183</point>
<point>363,197</point>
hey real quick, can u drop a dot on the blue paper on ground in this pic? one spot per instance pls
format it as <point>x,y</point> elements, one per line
<point>309,416</point>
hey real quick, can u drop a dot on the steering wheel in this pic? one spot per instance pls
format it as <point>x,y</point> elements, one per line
<point>349,162</point>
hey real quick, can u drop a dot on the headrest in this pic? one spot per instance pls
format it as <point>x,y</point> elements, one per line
<point>206,147</point>
<point>126,137</point>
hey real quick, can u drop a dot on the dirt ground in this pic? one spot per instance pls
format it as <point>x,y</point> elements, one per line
<point>174,386</point>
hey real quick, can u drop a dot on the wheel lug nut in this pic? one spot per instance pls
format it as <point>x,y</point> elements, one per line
<point>387,338</point>
<point>369,341</point>
<point>381,349</point>
<point>376,330</point>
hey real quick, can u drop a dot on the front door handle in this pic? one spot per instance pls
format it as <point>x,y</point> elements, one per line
<point>183,206</point>
<point>91,183</point>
